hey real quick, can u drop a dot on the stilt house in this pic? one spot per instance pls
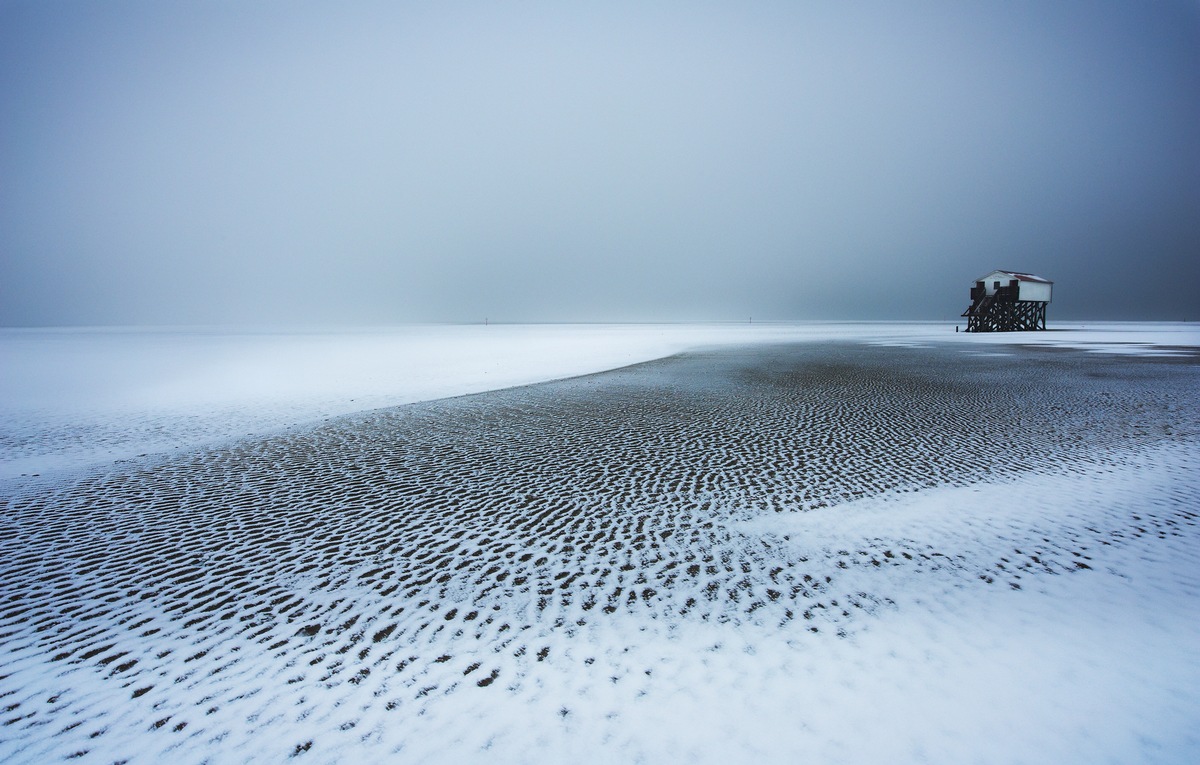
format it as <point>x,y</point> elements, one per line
<point>1008,301</point>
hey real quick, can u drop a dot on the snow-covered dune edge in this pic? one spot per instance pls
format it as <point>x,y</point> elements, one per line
<point>74,397</point>
<point>77,397</point>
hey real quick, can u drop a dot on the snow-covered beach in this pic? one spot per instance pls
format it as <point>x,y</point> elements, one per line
<point>827,543</point>
<point>73,398</point>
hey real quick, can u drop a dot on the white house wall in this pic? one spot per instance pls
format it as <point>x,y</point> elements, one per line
<point>1034,291</point>
<point>1039,291</point>
<point>989,281</point>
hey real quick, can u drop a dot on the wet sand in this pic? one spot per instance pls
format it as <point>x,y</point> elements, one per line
<point>319,591</point>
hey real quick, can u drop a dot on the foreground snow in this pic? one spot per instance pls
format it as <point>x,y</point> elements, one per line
<point>883,543</point>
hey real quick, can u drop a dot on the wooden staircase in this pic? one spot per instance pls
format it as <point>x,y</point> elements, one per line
<point>995,313</point>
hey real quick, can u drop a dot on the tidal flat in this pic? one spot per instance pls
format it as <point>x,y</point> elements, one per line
<point>823,550</point>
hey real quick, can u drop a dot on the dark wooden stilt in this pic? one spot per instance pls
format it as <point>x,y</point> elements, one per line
<point>990,314</point>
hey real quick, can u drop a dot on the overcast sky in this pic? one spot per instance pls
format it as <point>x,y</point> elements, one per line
<point>232,162</point>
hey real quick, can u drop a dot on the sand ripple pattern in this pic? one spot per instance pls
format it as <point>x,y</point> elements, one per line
<point>321,591</point>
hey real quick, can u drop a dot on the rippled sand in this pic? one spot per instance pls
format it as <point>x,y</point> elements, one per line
<point>541,572</point>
